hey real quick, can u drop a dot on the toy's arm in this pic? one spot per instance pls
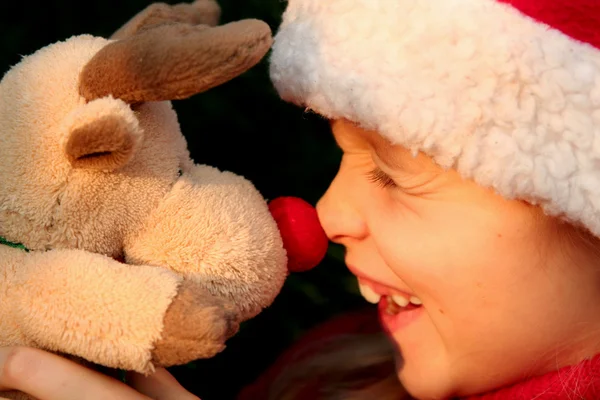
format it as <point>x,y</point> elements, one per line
<point>117,315</point>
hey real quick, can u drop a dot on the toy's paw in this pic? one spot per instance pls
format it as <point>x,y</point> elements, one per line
<point>196,325</point>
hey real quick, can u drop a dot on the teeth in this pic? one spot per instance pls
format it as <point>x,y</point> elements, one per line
<point>372,297</point>
<point>392,307</point>
<point>400,300</point>
<point>369,294</point>
<point>403,301</point>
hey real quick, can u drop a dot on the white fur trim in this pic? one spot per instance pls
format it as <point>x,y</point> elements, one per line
<point>477,85</point>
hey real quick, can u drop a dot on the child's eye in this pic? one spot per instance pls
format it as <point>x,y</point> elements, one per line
<point>381,178</point>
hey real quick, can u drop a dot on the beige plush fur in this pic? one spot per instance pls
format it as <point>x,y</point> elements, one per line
<point>137,256</point>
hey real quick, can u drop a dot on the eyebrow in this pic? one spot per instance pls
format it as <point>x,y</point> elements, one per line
<point>390,155</point>
<point>394,155</point>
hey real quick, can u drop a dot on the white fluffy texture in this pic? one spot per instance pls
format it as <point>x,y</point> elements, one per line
<point>475,84</point>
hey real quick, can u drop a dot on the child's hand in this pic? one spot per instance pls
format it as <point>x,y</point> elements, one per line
<point>47,376</point>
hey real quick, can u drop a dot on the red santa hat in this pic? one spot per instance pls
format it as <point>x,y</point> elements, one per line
<point>505,91</point>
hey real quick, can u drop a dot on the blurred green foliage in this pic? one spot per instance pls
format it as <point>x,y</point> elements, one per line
<point>241,126</point>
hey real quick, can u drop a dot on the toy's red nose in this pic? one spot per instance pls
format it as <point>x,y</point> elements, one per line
<point>303,236</point>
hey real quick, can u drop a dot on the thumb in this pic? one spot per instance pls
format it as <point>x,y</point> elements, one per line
<point>161,385</point>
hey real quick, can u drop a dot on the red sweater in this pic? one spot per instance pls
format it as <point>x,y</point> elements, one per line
<point>579,382</point>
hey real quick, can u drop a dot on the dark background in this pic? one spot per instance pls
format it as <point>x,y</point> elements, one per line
<point>241,126</point>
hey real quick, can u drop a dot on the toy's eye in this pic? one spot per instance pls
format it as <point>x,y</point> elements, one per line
<point>179,172</point>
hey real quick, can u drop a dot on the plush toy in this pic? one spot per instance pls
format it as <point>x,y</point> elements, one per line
<point>117,249</point>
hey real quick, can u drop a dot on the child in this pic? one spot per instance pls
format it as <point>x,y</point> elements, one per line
<point>467,198</point>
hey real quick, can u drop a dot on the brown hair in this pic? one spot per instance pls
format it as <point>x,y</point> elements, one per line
<point>344,367</point>
<point>579,240</point>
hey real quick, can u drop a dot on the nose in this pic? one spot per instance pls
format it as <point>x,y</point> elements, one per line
<point>338,212</point>
<point>303,237</point>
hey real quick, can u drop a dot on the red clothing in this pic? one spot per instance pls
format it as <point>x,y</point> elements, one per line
<point>580,382</point>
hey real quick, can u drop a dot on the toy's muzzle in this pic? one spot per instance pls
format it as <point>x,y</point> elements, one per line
<point>303,236</point>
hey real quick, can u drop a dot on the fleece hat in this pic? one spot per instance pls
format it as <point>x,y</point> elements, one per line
<point>507,92</point>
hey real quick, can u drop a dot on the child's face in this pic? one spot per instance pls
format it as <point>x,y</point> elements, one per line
<point>501,298</point>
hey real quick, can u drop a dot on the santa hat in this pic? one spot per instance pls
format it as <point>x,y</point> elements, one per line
<point>505,91</point>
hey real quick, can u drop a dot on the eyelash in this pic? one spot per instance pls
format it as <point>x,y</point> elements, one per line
<point>381,178</point>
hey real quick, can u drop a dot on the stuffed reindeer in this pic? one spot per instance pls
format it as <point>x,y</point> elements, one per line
<point>117,248</point>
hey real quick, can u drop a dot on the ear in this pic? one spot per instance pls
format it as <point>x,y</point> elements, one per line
<point>102,135</point>
<point>200,12</point>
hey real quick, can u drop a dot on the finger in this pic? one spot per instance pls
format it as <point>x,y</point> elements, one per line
<point>47,376</point>
<point>159,386</point>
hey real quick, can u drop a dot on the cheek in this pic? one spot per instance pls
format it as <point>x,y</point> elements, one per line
<point>466,272</point>
<point>456,255</point>
<point>484,272</point>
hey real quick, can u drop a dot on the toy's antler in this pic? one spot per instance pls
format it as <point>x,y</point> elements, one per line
<point>172,61</point>
<point>200,12</point>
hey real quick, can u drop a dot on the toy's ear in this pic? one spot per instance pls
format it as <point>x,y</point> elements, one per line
<point>200,12</point>
<point>174,61</point>
<point>102,135</point>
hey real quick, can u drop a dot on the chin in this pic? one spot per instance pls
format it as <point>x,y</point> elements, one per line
<point>424,383</point>
<point>427,391</point>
